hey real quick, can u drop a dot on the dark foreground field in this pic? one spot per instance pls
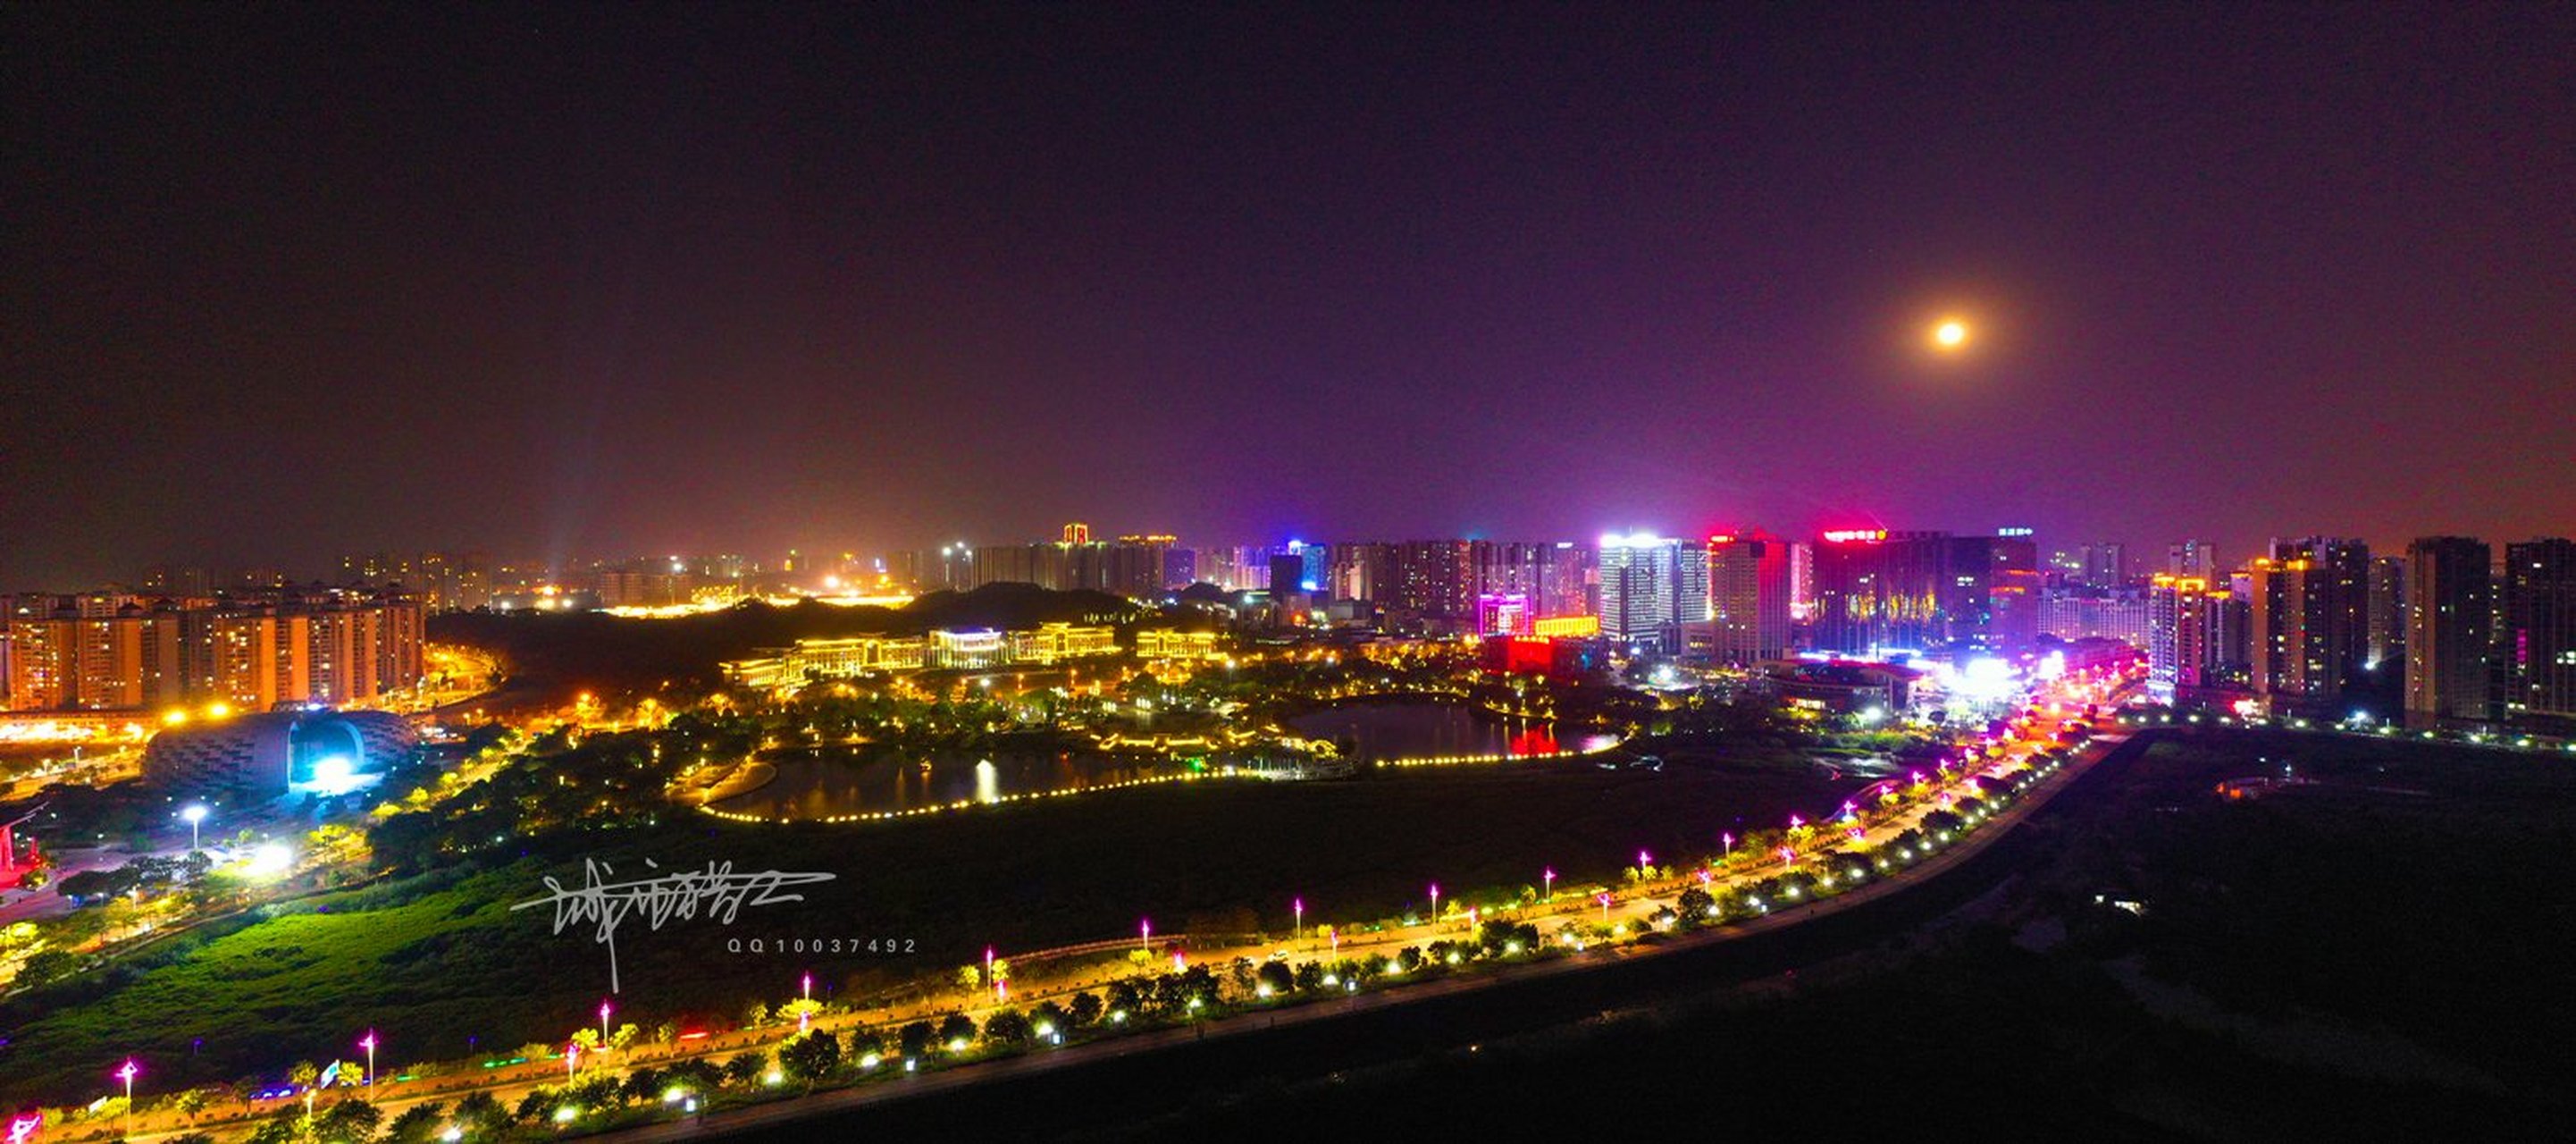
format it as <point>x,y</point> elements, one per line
<point>2380,955</point>
<point>438,964</point>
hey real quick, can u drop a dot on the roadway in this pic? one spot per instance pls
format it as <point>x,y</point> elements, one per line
<point>1632,905</point>
<point>774,1114</point>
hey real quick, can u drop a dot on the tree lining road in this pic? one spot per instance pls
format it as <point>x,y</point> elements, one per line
<point>773,1114</point>
<point>1635,904</point>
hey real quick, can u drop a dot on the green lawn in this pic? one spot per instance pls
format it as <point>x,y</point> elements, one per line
<point>444,966</point>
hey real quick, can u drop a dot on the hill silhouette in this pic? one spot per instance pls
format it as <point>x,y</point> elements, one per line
<point>555,651</point>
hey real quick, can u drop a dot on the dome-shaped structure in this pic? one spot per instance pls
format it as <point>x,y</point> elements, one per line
<point>280,753</point>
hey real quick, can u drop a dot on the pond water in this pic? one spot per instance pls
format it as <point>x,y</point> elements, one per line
<point>1415,729</point>
<point>866,781</point>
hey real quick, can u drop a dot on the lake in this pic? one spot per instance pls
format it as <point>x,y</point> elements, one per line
<point>1425,728</point>
<point>863,780</point>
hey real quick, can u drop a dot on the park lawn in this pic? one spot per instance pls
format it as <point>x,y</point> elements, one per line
<point>440,970</point>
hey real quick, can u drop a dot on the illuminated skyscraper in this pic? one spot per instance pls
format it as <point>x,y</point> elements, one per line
<point>2539,630</point>
<point>2387,614</point>
<point>1749,588</point>
<point>2309,603</point>
<point>1989,592</point>
<point>2179,643</point>
<point>2106,564</point>
<point>288,647</point>
<point>2450,628</point>
<point>2193,558</point>
<point>1637,588</point>
<point>1312,561</point>
<point>1571,584</point>
<point>1879,589</point>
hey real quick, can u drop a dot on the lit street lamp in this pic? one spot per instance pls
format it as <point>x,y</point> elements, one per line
<point>1548,879</point>
<point>126,1074</point>
<point>1298,932</point>
<point>195,814</point>
<point>368,1043</point>
<point>603,1024</point>
<point>1435,905</point>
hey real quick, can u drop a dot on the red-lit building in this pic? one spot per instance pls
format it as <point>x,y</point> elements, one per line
<point>1530,655</point>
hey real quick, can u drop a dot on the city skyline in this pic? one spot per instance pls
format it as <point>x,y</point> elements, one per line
<point>293,287</point>
<point>1504,570</point>
<point>2087,559</point>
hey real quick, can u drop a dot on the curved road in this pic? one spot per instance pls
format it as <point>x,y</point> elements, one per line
<point>773,1115</point>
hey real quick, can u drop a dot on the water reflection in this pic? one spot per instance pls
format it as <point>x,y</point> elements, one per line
<point>842,782</point>
<point>1429,728</point>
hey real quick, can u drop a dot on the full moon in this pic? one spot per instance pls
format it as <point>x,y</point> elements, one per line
<point>1950,335</point>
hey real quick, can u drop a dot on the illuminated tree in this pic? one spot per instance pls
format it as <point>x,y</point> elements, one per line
<point>1125,996</point>
<point>479,1109</point>
<point>862,1042</point>
<point>45,966</point>
<point>418,1124</point>
<point>811,1056</point>
<point>1278,976</point>
<point>1694,906</point>
<point>599,1090</point>
<point>1006,1027</point>
<point>744,1069</point>
<point>642,1084</point>
<point>914,1038</point>
<point>1050,1016</point>
<point>955,1027</point>
<point>351,1121</point>
<point>534,1106</point>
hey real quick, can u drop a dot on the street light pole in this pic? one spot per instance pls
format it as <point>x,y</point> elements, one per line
<point>126,1074</point>
<point>369,1043</point>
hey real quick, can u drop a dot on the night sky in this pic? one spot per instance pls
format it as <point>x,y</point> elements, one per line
<point>608,280</point>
